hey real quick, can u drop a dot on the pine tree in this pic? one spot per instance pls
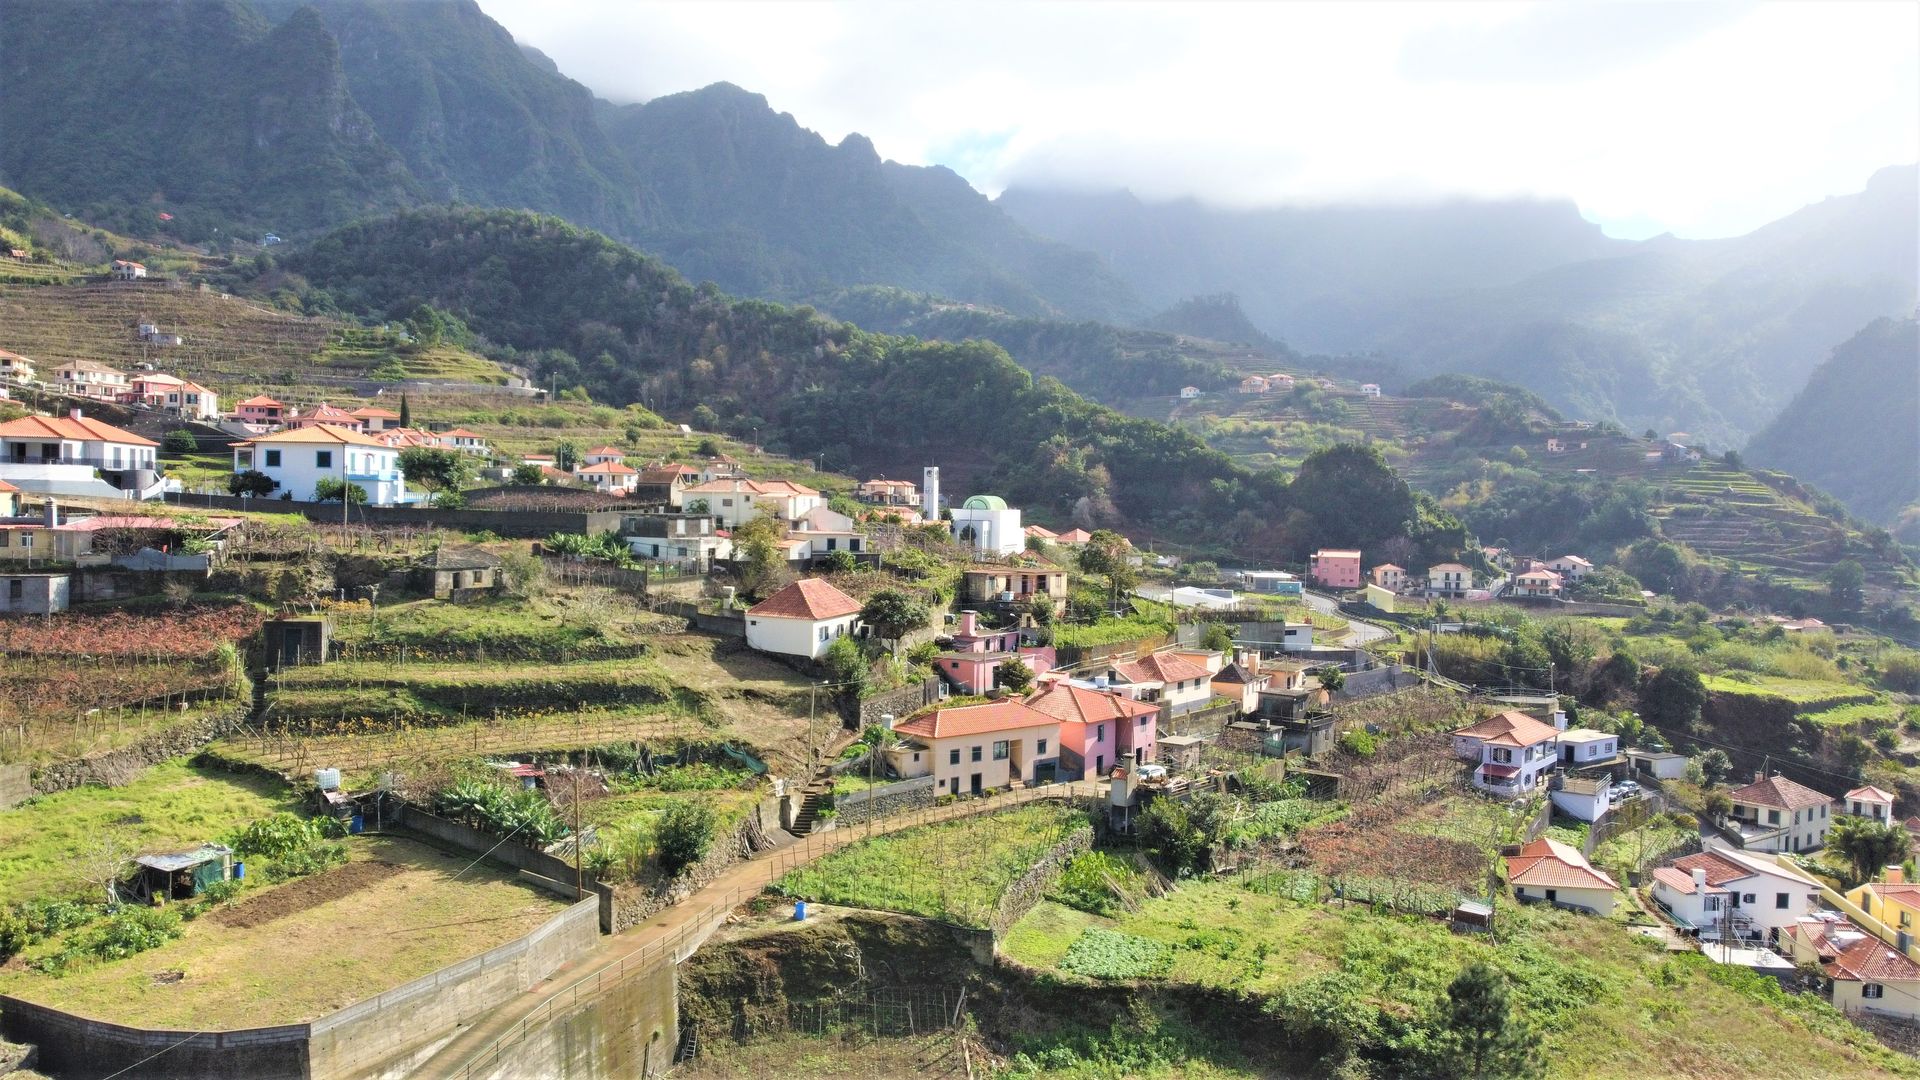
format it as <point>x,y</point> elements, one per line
<point>1477,1034</point>
<point>406,414</point>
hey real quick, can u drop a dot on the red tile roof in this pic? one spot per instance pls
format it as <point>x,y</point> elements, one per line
<point>609,468</point>
<point>605,451</point>
<point>1872,960</point>
<point>1548,863</point>
<point>371,411</point>
<point>1075,536</point>
<point>1007,715</point>
<point>751,487</point>
<point>461,433</point>
<point>259,399</point>
<point>323,433</point>
<point>1160,667</point>
<point>1871,792</point>
<point>83,428</point>
<point>809,598</point>
<point>4,486</point>
<point>1511,728</point>
<point>1681,881</point>
<point>1077,704</point>
<point>1779,793</point>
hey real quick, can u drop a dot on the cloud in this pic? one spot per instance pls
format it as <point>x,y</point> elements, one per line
<point>1701,119</point>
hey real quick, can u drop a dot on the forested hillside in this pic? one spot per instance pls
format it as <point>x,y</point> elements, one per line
<point>552,294</point>
<point>1854,431</point>
<point>1219,318</point>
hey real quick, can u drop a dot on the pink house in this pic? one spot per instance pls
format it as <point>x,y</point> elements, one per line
<point>259,409</point>
<point>1098,728</point>
<point>977,654</point>
<point>1335,568</point>
<point>324,413</point>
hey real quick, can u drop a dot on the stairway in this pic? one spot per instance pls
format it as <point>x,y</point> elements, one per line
<point>809,811</point>
<point>259,680</point>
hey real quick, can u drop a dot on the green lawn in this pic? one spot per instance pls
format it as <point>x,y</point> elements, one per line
<point>1802,692</point>
<point>170,806</point>
<point>1608,1004</point>
<point>954,871</point>
<point>1862,714</point>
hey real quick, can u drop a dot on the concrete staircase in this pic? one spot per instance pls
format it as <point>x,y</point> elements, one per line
<point>809,813</point>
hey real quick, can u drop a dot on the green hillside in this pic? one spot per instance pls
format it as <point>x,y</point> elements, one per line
<point>1854,430</point>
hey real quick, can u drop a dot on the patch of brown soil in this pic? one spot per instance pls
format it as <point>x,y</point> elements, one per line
<point>297,896</point>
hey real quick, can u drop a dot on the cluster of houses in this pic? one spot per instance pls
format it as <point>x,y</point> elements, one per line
<point>1340,569</point>
<point>145,389</point>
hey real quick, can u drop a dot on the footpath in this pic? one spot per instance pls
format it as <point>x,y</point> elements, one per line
<point>672,934</point>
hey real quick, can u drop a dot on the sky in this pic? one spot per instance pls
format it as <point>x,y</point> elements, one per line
<point>1700,119</point>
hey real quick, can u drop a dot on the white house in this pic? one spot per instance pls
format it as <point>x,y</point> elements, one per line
<point>1659,764</point>
<point>802,619</point>
<point>1571,567</point>
<point>828,531</point>
<point>58,454</point>
<point>15,367</point>
<point>610,477</point>
<point>677,538</point>
<point>1537,582</point>
<point>467,442</point>
<point>1749,894</point>
<point>1188,393</point>
<point>1583,797</point>
<point>1370,389</point>
<point>299,458</point>
<point>1389,576</point>
<point>192,401</point>
<point>124,270</point>
<point>1580,747</point>
<point>1513,750</point>
<point>1195,597</point>
<point>1449,579</point>
<point>987,523</point>
<point>736,501</point>
<point>1775,814</point>
<point>84,378</point>
<point>1869,802</point>
<point>1548,870</point>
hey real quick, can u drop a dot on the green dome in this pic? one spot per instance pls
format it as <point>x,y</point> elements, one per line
<point>984,502</point>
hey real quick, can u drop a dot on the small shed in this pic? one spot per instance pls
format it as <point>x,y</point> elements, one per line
<point>1181,751</point>
<point>453,570</point>
<point>1472,916</point>
<point>181,875</point>
<point>296,640</point>
<point>34,594</point>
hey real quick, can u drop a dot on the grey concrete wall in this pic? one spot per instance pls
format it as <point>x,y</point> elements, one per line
<point>1209,721</point>
<point>1385,679</point>
<point>630,1029</point>
<point>900,701</point>
<point>76,1048</point>
<point>391,1032</point>
<point>1028,889</point>
<point>16,785</point>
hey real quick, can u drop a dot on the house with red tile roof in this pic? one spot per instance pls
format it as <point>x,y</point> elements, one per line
<point>1869,802</point>
<point>1538,583</point>
<point>802,619</point>
<point>260,409</point>
<point>376,419</point>
<point>1389,576</point>
<point>973,749</point>
<point>609,477</point>
<point>1514,752</point>
<point>467,442</point>
<point>883,492</point>
<point>324,413</point>
<point>58,455</point>
<point>1175,683</point>
<point>1548,870</point>
<point>1777,814</point>
<point>736,501</point>
<point>1743,894</point>
<point>1073,538</point>
<point>1893,900</point>
<point>1098,727</point>
<point>298,458</point>
<point>600,454</point>
<point>9,500</point>
<point>1864,973</point>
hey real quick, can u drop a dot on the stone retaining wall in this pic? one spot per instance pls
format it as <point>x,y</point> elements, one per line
<point>900,702</point>
<point>1029,888</point>
<point>112,768</point>
<point>875,803</point>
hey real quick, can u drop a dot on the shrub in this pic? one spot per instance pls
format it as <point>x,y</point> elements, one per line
<point>1358,741</point>
<point>1109,954</point>
<point>274,837</point>
<point>686,830</point>
<point>1092,882</point>
<point>307,861</point>
<point>133,930</point>
<point>179,441</point>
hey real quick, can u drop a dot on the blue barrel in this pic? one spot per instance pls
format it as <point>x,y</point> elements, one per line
<point>358,824</point>
<point>799,911</point>
<point>239,870</point>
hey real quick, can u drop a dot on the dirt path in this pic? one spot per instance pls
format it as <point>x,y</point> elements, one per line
<point>675,933</point>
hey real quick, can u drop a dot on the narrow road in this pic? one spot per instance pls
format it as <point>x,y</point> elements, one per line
<point>1359,631</point>
<point>672,934</point>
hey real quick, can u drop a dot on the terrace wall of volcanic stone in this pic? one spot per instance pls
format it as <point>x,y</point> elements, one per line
<point>345,697</point>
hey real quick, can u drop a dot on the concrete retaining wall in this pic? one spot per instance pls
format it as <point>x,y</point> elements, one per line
<point>392,1032</point>
<point>16,785</point>
<point>627,1030</point>
<point>518,856</point>
<point>1385,679</point>
<point>517,524</point>
<point>900,701</point>
<point>82,1049</point>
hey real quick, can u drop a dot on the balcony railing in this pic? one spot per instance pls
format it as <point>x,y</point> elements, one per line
<point>78,459</point>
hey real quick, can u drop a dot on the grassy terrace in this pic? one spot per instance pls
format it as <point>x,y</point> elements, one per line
<point>172,805</point>
<point>954,871</point>
<point>290,952</point>
<point>1610,1005</point>
<point>1807,695</point>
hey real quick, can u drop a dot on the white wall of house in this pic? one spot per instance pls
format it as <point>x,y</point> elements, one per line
<point>997,531</point>
<point>1599,900</point>
<point>797,637</point>
<point>93,452</point>
<point>1806,830</point>
<point>298,467</point>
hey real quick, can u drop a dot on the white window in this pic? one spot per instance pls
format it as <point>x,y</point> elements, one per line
<point>1871,990</point>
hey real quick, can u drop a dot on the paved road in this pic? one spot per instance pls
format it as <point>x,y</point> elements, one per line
<point>674,933</point>
<point>1359,631</point>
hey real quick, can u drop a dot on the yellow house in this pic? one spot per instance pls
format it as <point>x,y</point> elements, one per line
<point>971,749</point>
<point>1893,900</point>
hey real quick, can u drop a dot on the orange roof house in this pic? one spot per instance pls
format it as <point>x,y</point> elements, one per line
<point>1548,870</point>
<point>802,619</point>
<point>973,749</point>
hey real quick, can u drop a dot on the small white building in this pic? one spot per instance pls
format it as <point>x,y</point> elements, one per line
<point>610,477</point>
<point>1659,764</point>
<point>677,538</point>
<point>1370,389</point>
<point>1571,567</point>
<point>84,378</point>
<point>1550,871</point>
<point>1741,893</point>
<point>1188,393</point>
<point>123,270</point>
<point>827,531</point>
<point>1580,747</point>
<point>1587,798</point>
<point>736,501</point>
<point>1389,576</point>
<point>299,458</point>
<point>15,367</point>
<point>467,442</point>
<point>986,523</point>
<point>192,401</point>
<point>1449,579</point>
<point>1537,583</point>
<point>1869,802</point>
<point>1514,752</point>
<point>802,619</point>
<point>600,455</point>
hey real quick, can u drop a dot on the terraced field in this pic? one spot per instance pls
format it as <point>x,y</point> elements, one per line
<point>1728,514</point>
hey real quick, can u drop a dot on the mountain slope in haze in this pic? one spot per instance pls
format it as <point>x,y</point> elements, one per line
<point>1709,336</point>
<point>117,112</point>
<point>1217,318</point>
<point>476,118</point>
<point>1854,430</point>
<point>760,205</point>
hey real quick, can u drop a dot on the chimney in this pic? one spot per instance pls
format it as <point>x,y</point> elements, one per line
<point>50,512</point>
<point>968,620</point>
<point>1894,875</point>
<point>1759,775</point>
<point>75,414</point>
<point>1699,880</point>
